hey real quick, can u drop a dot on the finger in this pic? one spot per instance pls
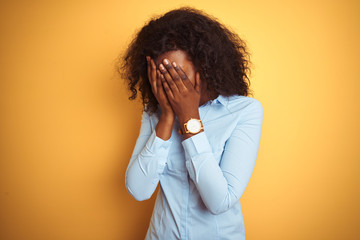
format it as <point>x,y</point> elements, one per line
<point>168,79</point>
<point>197,82</point>
<point>174,75</point>
<point>186,81</point>
<point>160,88</point>
<point>159,85</point>
<point>166,87</point>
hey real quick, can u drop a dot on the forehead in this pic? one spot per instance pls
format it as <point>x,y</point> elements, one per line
<point>178,56</point>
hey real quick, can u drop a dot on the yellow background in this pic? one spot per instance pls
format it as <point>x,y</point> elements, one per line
<point>68,129</point>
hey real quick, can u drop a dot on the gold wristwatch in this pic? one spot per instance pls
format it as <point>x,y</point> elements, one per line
<point>193,126</point>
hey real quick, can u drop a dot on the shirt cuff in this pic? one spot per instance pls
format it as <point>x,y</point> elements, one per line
<point>158,147</point>
<point>197,151</point>
<point>196,145</point>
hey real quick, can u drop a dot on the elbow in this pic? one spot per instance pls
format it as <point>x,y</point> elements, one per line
<point>137,194</point>
<point>217,209</point>
<point>221,205</point>
<point>140,197</point>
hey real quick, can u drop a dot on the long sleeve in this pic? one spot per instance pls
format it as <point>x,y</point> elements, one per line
<point>147,162</point>
<point>222,184</point>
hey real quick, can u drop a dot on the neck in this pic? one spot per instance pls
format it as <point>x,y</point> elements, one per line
<point>205,97</point>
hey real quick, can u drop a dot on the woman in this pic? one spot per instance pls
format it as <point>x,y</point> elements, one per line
<point>200,132</point>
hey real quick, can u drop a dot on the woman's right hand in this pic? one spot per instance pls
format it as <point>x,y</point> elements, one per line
<point>158,90</point>
<point>165,124</point>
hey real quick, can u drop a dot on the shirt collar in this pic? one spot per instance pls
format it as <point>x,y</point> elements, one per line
<point>221,99</point>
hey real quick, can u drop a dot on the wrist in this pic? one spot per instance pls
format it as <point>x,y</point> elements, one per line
<point>187,135</point>
<point>164,126</point>
<point>191,128</point>
<point>167,118</point>
<point>184,118</point>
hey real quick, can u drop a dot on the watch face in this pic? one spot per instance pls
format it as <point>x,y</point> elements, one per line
<point>193,126</point>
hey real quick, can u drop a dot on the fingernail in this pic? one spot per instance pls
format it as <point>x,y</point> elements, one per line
<point>174,64</point>
<point>162,66</point>
<point>148,58</point>
<point>166,61</point>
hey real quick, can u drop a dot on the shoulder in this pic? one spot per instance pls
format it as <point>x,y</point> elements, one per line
<point>238,103</point>
<point>246,110</point>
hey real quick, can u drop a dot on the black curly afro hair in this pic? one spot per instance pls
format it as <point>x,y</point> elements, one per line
<point>219,55</point>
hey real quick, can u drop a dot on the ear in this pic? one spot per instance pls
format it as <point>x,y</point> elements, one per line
<point>197,82</point>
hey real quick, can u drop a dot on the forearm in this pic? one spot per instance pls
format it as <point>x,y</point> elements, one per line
<point>215,191</point>
<point>147,161</point>
<point>139,183</point>
<point>220,186</point>
<point>142,175</point>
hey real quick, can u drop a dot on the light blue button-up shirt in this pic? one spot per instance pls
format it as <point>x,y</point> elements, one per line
<point>201,178</point>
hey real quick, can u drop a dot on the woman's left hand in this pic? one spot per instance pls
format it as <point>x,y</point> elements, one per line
<point>183,96</point>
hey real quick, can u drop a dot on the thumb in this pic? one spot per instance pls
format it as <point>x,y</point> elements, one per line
<point>197,82</point>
